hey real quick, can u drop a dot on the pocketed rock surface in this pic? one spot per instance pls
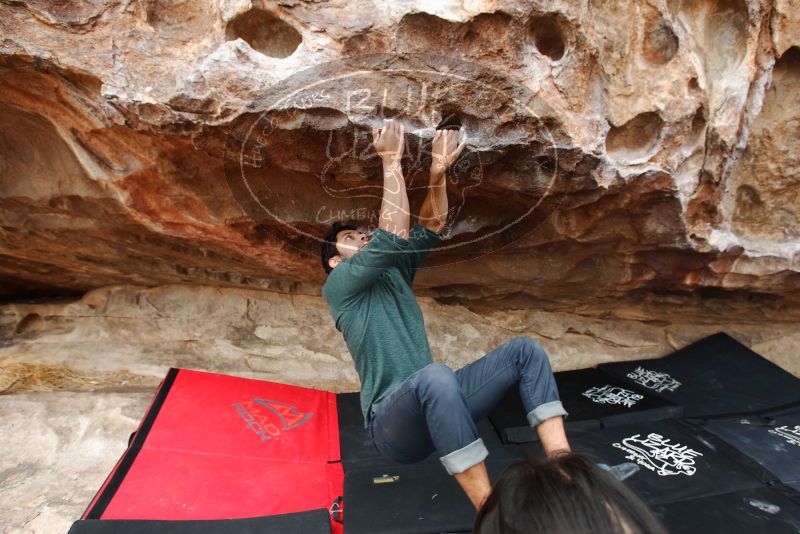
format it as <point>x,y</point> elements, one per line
<point>612,146</point>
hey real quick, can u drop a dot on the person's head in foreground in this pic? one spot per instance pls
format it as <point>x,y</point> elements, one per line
<point>342,242</point>
<point>565,494</point>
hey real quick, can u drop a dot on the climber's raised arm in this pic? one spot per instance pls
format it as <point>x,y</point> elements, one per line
<point>445,149</point>
<point>389,142</point>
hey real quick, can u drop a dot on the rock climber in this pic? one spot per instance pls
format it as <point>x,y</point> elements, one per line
<point>413,406</point>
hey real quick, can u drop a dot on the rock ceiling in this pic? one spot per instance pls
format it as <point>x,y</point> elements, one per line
<point>614,147</point>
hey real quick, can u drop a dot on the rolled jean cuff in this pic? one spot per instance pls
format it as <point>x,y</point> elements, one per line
<point>545,411</point>
<point>462,459</point>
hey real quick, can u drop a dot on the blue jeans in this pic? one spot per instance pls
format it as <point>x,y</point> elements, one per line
<point>436,408</point>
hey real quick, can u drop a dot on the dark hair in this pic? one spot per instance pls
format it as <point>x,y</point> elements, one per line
<point>329,249</point>
<point>564,494</point>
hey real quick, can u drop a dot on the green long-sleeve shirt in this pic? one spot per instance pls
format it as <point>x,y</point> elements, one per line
<point>374,307</point>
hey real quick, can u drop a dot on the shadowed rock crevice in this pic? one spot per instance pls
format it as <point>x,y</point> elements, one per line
<point>29,323</point>
<point>699,122</point>
<point>660,42</point>
<point>547,33</point>
<point>485,37</point>
<point>265,32</point>
<point>635,139</point>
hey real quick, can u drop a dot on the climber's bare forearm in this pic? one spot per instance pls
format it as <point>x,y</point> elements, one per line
<point>433,212</point>
<point>394,215</point>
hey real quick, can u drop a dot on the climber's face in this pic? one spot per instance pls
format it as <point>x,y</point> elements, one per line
<point>348,243</point>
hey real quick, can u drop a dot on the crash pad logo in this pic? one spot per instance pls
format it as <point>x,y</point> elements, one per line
<point>613,395</point>
<point>764,506</point>
<point>791,435</point>
<point>654,380</point>
<point>657,454</point>
<point>269,418</point>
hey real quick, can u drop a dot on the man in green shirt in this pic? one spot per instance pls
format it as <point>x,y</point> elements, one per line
<point>411,405</point>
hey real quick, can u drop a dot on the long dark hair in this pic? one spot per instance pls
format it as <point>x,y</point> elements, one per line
<point>564,494</point>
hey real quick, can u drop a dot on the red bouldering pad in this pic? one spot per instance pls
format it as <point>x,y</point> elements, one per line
<point>214,447</point>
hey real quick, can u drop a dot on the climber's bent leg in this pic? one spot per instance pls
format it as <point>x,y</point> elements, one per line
<point>521,361</point>
<point>428,413</point>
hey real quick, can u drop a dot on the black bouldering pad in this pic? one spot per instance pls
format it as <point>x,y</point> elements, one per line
<point>415,498</point>
<point>677,461</point>
<point>716,376</point>
<point>592,399</point>
<point>773,510</point>
<point>772,442</point>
